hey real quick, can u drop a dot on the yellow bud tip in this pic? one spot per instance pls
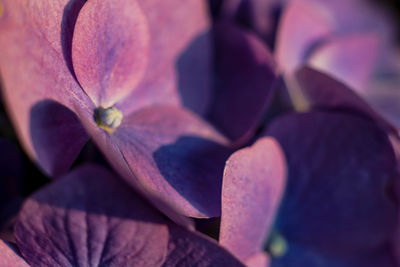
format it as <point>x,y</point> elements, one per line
<point>1,10</point>
<point>108,118</point>
<point>277,245</point>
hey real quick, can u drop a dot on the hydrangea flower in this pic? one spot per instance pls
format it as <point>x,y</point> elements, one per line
<point>119,73</point>
<point>91,218</point>
<point>351,40</point>
<point>319,189</point>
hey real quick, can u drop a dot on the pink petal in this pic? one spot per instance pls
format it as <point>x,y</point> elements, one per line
<point>350,59</point>
<point>254,180</point>
<point>9,257</point>
<point>110,49</point>
<point>302,25</point>
<point>179,66</point>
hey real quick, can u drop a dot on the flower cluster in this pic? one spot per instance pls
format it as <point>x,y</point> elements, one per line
<point>199,133</point>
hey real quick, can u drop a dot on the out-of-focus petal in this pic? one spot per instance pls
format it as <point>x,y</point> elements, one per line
<point>254,181</point>
<point>245,75</point>
<point>302,26</point>
<point>179,66</point>
<point>110,49</point>
<point>341,171</point>
<point>350,59</point>
<point>169,153</point>
<point>325,93</point>
<point>9,257</point>
<point>91,218</point>
<point>260,259</point>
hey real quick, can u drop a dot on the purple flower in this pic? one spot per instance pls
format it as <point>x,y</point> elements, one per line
<point>91,218</point>
<point>350,40</point>
<point>319,189</point>
<point>119,73</point>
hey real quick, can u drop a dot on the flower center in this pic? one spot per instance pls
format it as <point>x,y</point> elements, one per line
<point>277,245</point>
<point>108,118</point>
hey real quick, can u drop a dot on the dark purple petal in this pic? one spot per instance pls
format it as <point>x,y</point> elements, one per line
<point>9,256</point>
<point>110,49</point>
<point>245,75</point>
<point>350,59</point>
<point>303,24</point>
<point>179,66</point>
<point>171,154</point>
<point>325,93</point>
<point>34,70</point>
<point>57,136</point>
<point>187,248</point>
<point>254,181</point>
<point>90,218</point>
<point>342,169</point>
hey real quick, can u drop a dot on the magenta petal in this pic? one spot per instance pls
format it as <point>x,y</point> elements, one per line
<point>110,49</point>
<point>254,180</point>
<point>57,135</point>
<point>9,257</point>
<point>90,218</point>
<point>350,59</point>
<point>303,24</point>
<point>245,77</point>
<point>179,66</point>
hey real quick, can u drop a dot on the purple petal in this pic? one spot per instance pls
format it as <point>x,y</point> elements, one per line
<point>245,77</point>
<point>110,49</point>
<point>57,135</point>
<point>179,66</point>
<point>187,248</point>
<point>34,70</point>
<point>303,24</point>
<point>350,59</point>
<point>90,218</point>
<point>342,168</point>
<point>169,153</point>
<point>254,180</point>
<point>9,257</point>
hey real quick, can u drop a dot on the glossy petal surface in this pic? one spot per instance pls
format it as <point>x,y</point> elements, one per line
<point>245,77</point>
<point>254,181</point>
<point>302,26</point>
<point>90,218</point>
<point>179,66</point>
<point>110,49</point>
<point>341,170</point>
<point>350,59</point>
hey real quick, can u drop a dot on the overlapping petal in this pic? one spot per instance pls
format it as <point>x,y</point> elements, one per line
<point>303,25</point>
<point>245,76</point>
<point>254,181</point>
<point>342,169</point>
<point>9,257</point>
<point>90,218</point>
<point>179,65</point>
<point>110,49</point>
<point>171,153</point>
<point>350,59</point>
